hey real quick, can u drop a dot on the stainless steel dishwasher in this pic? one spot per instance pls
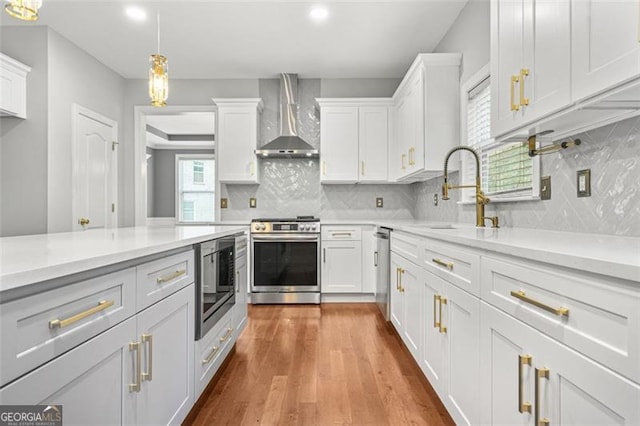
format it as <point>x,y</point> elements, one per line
<point>382,255</point>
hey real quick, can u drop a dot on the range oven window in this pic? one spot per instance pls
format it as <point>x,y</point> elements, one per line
<point>279,263</point>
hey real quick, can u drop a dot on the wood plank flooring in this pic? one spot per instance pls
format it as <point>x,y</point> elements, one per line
<point>319,365</point>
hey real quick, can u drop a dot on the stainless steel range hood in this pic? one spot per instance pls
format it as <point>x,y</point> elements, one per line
<point>288,144</point>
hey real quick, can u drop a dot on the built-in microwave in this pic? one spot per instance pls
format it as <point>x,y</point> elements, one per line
<point>215,282</point>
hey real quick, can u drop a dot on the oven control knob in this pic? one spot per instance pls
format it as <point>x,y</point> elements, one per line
<point>262,227</point>
<point>256,227</point>
<point>307,227</point>
<point>313,227</point>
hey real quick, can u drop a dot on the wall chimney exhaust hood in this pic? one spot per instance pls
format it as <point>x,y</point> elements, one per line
<point>288,144</point>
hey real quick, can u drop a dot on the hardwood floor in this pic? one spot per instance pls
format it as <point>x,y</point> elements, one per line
<point>319,365</point>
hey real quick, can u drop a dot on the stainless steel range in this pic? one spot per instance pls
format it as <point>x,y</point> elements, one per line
<point>286,260</point>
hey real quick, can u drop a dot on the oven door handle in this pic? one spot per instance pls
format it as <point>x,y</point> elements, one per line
<point>286,238</point>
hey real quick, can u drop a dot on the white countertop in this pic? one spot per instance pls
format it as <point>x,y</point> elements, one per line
<point>34,258</point>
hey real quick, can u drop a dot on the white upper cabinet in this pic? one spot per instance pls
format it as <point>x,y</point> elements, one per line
<point>237,138</point>
<point>530,61</point>
<point>13,87</point>
<point>425,117</point>
<point>606,45</point>
<point>354,136</point>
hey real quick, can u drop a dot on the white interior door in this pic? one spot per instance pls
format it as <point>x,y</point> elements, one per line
<point>94,170</point>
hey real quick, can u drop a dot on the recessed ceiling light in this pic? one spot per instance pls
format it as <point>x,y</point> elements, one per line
<point>319,13</point>
<point>135,13</point>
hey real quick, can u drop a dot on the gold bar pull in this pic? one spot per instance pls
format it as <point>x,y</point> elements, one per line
<point>521,295</point>
<point>448,265</point>
<point>148,338</point>
<point>541,373</point>
<point>514,106</point>
<point>172,276</point>
<point>227,335</point>
<point>362,168</point>
<point>443,329</point>
<point>102,305</point>
<point>523,407</point>
<point>398,279</point>
<point>401,286</point>
<point>135,387</point>
<point>209,357</point>
<point>402,161</point>
<point>436,299</point>
<point>523,73</point>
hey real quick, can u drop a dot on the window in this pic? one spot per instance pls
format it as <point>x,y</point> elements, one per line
<point>507,171</point>
<point>195,188</point>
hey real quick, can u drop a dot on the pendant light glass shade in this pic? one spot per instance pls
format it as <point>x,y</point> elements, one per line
<point>158,80</point>
<point>27,10</point>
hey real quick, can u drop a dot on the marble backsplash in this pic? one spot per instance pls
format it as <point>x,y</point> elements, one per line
<point>611,152</point>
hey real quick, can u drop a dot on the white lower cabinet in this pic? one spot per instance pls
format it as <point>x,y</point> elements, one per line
<point>137,372</point>
<point>211,351</point>
<point>530,379</point>
<point>369,259</point>
<point>240,312</point>
<point>406,303</point>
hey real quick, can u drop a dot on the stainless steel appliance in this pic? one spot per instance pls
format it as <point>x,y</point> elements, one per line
<point>215,282</point>
<point>285,266</point>
<point>382,255</point>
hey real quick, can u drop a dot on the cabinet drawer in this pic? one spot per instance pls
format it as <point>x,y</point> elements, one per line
<point>337,233</point>
<point>211,351</point>
<point>160,278</point>
<point>456,265</point>
<point>38,328</point>
<point>594,315</point>
<point>406,246</point>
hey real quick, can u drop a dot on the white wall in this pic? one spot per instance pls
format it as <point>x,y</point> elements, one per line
<point>358,87</point>
<point>23,143</point>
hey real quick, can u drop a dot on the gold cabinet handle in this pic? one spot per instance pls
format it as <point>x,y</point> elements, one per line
<point>541,373</point>
<point>514,106</point>
<point>436,301</point>
<point>443,301</point>
<point>83,221</point>
<point>402,161</point>
<point>412,156</point>
<point>227,335</point>
<point>362,168</point>
<point>137,377</point>
<point>209,357</point>
<point>60,323</point>
<point>524,72</point>
<point>401,286</point>
<point>172,276</point>
<point>148,338</point>
<point>521,295</point>
<point>398,279</point>
<point>448,265</point>
<point>523,407</point>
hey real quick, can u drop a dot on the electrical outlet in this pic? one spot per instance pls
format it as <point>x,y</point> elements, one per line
<point>584,183</point>
<point>379,202</point>
<point>253,203</point>
<point>435,199</point>
<point>223,203</point>
<point>545,188</point>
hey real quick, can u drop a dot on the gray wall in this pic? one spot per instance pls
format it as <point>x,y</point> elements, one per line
<point>164,180</point>
<point>358,87</point>
<point>23,143</point>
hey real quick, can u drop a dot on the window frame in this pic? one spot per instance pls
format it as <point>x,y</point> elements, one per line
<point>199,173</point>
<point>177,192</point>
<point>467,196</point>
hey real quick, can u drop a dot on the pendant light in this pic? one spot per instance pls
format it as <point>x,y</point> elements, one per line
<point>158,75</point>
<point>27,10</point>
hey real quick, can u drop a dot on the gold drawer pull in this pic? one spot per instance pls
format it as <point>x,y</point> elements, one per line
<point>135,387</point>
<point>213,353</point>
<point>558,311</point>
<point>148,338</point>
<point>226,336</point>
<point>102,305</point>
<point>541,373</point>
<point>443,301</point>
<point>514,106</point>
<point>523,407</point>
<point>448,265</point>
<point>436,300</point>
<point>524,72</point>
<point>172,276</point>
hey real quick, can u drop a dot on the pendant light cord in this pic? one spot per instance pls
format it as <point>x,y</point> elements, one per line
<point>158,25</point>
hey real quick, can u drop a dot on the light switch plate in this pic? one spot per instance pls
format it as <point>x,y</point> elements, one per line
<point>253,203</point>
<point>584,183</point>
<point>379,202</point>
<point>545,188</point>
<point>223,203</point>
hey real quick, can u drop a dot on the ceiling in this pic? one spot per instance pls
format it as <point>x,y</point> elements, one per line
<point>254,39</point>
<point>193,130</point>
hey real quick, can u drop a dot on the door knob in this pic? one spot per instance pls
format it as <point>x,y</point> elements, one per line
<point>83,221</point>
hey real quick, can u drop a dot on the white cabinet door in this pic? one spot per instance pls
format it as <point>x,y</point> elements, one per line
<point>411,290</point>
<point>605,45</point>
<point>167,389</point>
<point>91,381</point>
<point>432,359</point>
<point>341,266</point>
<point>369,259</point>
<point>373,146</point>
<point>415,121</point>
<point>396,301</point>
<point>339,153</point>
<point>237,140</point>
